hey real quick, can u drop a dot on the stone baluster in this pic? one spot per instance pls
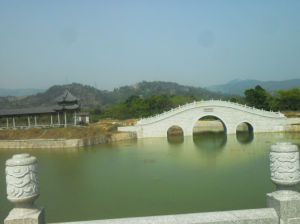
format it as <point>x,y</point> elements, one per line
<point>285,174</point>
<point>23,189</point>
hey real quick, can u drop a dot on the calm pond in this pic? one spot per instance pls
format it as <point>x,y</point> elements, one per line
<point>152,177</point>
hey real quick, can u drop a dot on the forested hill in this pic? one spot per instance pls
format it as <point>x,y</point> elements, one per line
<point>91,97</point>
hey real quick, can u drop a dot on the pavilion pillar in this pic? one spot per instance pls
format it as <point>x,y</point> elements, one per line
<point>65,114</point>
<point>58,118</point>
<point>14,124</point>
<point>75,120</point>
<point>7,122</point>
<point>51,120</point>
<point>35,122</point>
<point>28,119</point>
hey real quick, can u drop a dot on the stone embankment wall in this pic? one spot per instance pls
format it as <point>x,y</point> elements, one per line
<point>65,143</point>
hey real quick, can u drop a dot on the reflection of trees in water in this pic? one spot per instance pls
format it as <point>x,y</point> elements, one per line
<point>175,140</point>
<point>244,137</point>
<point>210,143</point>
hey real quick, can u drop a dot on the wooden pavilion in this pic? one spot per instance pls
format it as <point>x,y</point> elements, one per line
<point>65,104</point>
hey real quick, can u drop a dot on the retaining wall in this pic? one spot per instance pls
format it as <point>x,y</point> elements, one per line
<point>65,143</point>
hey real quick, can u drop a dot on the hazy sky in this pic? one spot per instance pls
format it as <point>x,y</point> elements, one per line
<point>112,43</point>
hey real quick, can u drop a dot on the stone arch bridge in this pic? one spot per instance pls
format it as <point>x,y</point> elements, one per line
<point>231,114</point>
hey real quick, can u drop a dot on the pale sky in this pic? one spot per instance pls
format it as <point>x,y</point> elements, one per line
<point>111,43</point>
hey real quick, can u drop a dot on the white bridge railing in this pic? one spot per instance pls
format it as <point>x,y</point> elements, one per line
<point>209,103</point>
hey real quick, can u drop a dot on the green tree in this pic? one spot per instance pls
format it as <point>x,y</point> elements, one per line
<point>257,97</point>
<point>288,99</point>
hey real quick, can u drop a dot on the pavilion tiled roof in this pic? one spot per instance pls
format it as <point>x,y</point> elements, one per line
<point>66,97</point>
<point>27,111</point>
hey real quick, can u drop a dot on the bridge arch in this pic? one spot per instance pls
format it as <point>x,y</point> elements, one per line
<point>175,130</point>
<point>245,132</point>
<point>249,125</point>
<point>175,134</point>
<point>225,126</point>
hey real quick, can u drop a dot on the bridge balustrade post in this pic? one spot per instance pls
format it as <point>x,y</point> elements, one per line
<point>285,174</point>
<point>23,189</point>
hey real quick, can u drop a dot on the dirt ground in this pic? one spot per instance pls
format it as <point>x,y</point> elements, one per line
<point>103,127</point>
<point>291,113</point>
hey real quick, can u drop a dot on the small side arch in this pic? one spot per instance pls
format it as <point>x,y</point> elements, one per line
<point>244,126</point>
<point>175,134</point>
<point>175,130</point>
<point>244,132</point>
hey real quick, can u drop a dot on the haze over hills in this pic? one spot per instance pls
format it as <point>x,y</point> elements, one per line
<point>19,92</point>
<point>91,97</point>
<point>238,86</point>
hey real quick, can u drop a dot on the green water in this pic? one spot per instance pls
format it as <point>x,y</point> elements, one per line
<point>152,177</point>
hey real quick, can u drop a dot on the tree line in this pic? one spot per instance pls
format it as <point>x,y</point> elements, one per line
<point>276,101</point>
<point>136,106</point>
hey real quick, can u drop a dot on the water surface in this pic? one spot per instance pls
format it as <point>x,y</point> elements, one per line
<point>152,176</point>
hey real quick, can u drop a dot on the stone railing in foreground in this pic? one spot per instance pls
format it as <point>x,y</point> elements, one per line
<point>283,205</point>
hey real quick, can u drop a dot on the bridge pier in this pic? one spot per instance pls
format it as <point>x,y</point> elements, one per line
<point>231,130</point>
<point>188,132</point>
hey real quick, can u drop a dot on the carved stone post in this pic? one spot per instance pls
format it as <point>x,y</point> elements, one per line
<point>285,174</point>
<point>23,189</point>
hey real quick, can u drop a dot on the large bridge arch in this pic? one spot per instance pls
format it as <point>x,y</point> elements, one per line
<point>195,120</point>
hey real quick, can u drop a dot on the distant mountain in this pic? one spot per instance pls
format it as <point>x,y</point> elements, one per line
<point>146,89</point>
<point>19,92</point>
<point>239,86</point>
<point>91,97</point>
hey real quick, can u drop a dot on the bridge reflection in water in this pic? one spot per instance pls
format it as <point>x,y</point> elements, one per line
<point>210,141</point>
<point>245,137</point>
<point>174,140</point>
<point>209,133</point>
